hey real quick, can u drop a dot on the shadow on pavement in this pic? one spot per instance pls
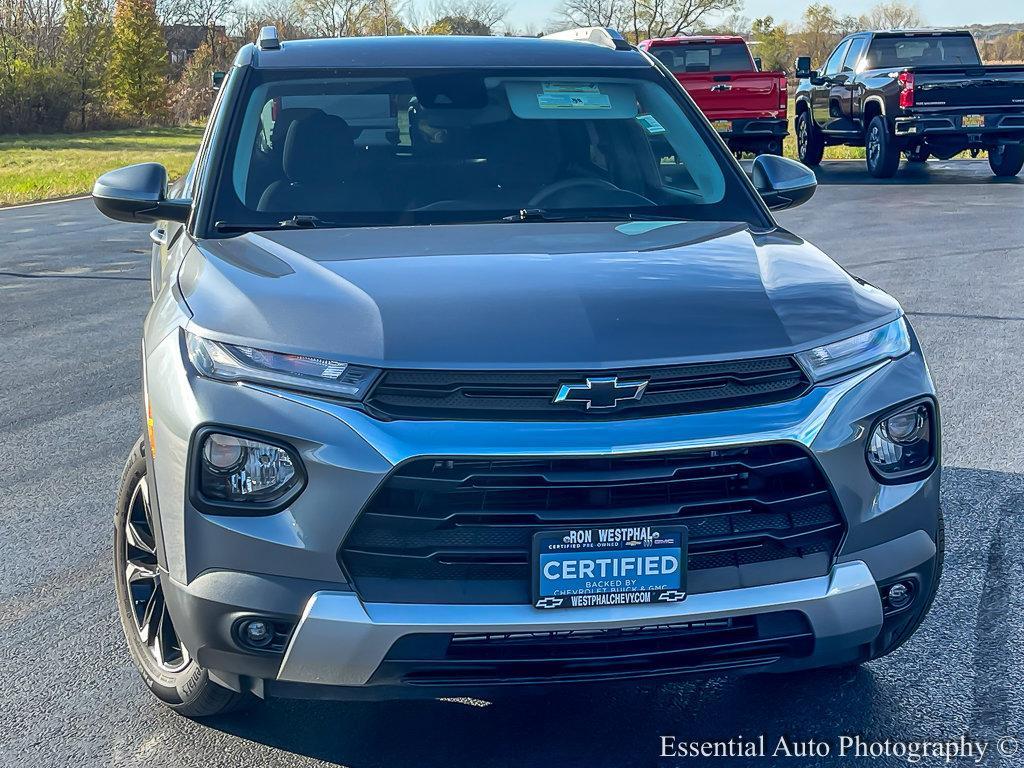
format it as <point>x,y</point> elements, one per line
<point>910,174</point>
<point>617,725</point>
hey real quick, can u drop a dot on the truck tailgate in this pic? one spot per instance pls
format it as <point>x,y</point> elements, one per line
<point>971,87</point>
<point>734,96</point>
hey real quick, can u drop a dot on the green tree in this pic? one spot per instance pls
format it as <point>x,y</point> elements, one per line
<point>87,28</point>
<point>822,28</point>
<point>136,76</point>
<point>458,25</point>
<point>775,45</point>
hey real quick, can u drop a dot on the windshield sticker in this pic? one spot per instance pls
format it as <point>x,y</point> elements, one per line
<point>572,96</point>
<point>573,101</point>
<point>650,124</point>
<point>570,88</point>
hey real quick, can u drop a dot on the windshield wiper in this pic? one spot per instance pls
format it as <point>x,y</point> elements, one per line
<point>540,214</point>
<point>299,221</point>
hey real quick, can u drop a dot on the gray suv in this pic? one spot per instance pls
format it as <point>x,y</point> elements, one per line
<point>477,364</point>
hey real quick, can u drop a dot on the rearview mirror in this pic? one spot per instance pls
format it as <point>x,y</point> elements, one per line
<point>803,68</point>
<point>217,79</point>
<point>138,194</point>
<point>781,182</point>
<point>757,63</point>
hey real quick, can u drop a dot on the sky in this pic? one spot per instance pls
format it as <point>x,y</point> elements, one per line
<point>936,12</point>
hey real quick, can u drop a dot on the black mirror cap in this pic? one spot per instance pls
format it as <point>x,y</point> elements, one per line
<point>217,79</point>
<point>803,68</point>
<point>758,64</point>
<point>138,194</point>
<point>781,182</point>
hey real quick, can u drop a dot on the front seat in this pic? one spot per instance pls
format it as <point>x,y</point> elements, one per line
<point>317,161</point>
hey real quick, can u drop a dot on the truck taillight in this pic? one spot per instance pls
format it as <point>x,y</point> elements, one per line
<point>783,95</point>
<point>906,80</point>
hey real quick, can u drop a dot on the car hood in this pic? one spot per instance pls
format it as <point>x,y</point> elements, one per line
<point>526,295</point>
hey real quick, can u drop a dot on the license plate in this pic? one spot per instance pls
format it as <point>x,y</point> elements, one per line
<point>624,565</point>
<point>722,126</point>
<point>974,121</point>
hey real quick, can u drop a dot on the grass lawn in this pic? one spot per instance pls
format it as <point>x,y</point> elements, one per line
<point>38,167</point>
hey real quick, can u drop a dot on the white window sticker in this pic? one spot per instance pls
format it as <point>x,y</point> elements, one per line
<point>572,96</point>
<point>650,124</point>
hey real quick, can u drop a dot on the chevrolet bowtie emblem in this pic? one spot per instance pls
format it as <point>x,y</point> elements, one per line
<point>604,392</point>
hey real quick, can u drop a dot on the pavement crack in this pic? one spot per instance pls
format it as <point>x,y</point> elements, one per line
<point>993,686</point>
<point>44,275</point>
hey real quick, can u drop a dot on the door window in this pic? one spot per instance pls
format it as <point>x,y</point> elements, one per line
<point>857,46</point>
<point>832,65</point>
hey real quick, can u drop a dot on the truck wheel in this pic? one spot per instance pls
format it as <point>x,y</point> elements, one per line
<point>883,153</point>
<point>917,155</point>
<point>810,144</point>
<point>171,673</point>
<point>1007,160</point>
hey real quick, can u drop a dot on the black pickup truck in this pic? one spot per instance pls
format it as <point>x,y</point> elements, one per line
<point>915,92</point>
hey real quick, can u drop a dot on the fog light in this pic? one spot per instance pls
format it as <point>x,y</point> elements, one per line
<point>257,633</point>
<point>900,595</point>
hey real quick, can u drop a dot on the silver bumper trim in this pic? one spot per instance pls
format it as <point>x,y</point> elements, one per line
<point>341,641</point>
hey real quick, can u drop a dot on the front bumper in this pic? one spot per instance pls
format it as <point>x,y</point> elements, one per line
<point>341,641</point>
<point>285,565</point>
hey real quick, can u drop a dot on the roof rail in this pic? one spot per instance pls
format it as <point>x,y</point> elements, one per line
<point>606,36</point>
<point>268,39</point>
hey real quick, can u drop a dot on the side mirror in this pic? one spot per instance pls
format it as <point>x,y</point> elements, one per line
<point>138,194</point>
<point>781,182</point>
<point>217,79</point>
<point>757,63</point>
<point>803,68</point>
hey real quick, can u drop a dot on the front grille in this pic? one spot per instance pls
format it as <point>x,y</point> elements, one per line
<point>596,654</point>
<point>460,530</point>
<point>529,395</point>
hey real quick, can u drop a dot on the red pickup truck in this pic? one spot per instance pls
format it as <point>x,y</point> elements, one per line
<point>746,106</point>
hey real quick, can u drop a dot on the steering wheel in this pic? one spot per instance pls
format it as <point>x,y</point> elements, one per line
<point>623,196</point>
<point>560,186</point>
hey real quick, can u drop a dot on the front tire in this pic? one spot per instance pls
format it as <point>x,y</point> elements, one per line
<point>810,144</point>
<point>1006,161</point>
<point>883,153</point>
<point>163,661</point>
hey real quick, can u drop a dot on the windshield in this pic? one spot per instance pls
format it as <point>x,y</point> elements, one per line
<point>379,147</point>
<point>953,50</point>
<point>728,57</point>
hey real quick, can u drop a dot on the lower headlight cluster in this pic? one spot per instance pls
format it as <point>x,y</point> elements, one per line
<point>903,443</point>
<point>242,471</point>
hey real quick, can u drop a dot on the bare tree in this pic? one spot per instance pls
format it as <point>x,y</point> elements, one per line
<point>893,15</point>
<point>644,18</point>
<point>458,14</point>
<point>333,18</point>
<point>247,19</point>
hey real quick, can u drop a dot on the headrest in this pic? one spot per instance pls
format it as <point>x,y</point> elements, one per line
<point>318,149</point>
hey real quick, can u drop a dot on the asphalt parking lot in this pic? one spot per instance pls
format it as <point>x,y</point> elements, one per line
<point>947,240</point>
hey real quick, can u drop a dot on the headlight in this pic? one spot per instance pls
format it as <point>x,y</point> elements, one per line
<point>229,362</point>
<point>903,443</point>
<point>244,473</point>
<point>889,341</point>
